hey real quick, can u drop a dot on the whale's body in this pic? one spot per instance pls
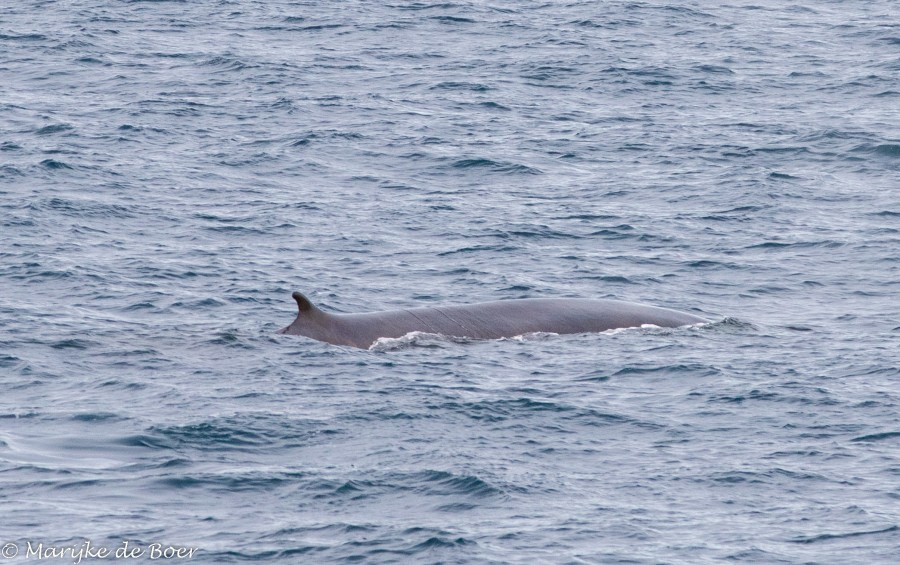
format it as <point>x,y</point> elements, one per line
<point>485,320</point>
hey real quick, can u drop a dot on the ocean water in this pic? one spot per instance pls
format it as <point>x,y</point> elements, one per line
<point>171,171</point>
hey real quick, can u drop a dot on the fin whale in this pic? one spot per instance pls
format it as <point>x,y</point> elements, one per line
<point>485,320</point>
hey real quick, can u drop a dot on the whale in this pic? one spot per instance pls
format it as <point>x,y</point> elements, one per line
<point>483,320</point>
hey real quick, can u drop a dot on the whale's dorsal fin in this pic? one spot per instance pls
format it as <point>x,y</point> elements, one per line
<point>303,303</point>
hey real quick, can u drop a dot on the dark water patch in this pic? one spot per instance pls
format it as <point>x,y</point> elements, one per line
<point>129,386</point>
<point>160,273</point>
<point>59,152</point>
<point>325,529</point>
<point>470,86</point>
<point>543,74</point>
<point>311,136</point>
<point>87,484</point>
<point>352,487</point>
<point>620,231</point>
<point>141,306</point>
<point>739,152</point>
<point>713,265</point>
<point>96,417</point>
<point>801,74</point>
<point>199,304</point>
<point>714,69</point>
<point>74,343</point>
<point>890,150</point>
<point>452,19</point>
<point>613,279</point>
<point>756,555</point>
<point>172,463</point>
<point>7,171</point>
<point>523,290</point>
<point>593,377</point>
<point>495,166</point>
<point>540,231</point>
<point>526,408</point>
<point>782,176</point>
<point>833,134</point>
<point>582,217</point>
<point>422,483</point>
<point>7,361</point>
<point>887,150</point>
<point>313,28</point>
<point>810,397</point>
<point>213,435</point>
<point>613,24</point>
<point>241,481</point>
<point>283,103</point>
<point>156,442</point>
<point>233,556</point>
<point>829,537</point>
<point>323,27</point>
<point>226,63</point>
<point>878,437</point>
<point>53,164</point>
<point>417,6</point>
<point>497,411</point>
<point>640,237</point>
<point>123,356</point>
<point>493,106</point>
<point>237,433</point>
<point>477,249</point>
<point>433,543</point>
<point>766,290</point>
<point>779,245</point>
<point>805,477</point>
<point>456,507</point>
<point>392,413</point>
<point>442,483</point>
<point>695,370</point>
<point>242,231</point>
<point>84,208</point>
<point>55,128</point>
<point>290,552</point>
<point>325,488</point>
<point>23,37</point>
<point>657,75</point>
<point>782,149</point>
<point>24,415</point>
<point>796,453</point>
<point>134,128</point>
<point>738,477</point>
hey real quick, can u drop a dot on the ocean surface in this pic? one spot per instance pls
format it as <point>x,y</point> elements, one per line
<point>171,171</point>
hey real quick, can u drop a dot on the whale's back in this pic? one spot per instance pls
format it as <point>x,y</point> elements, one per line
<point>485,320</point>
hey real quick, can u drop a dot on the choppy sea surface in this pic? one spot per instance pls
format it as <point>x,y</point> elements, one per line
<point>171,171</point>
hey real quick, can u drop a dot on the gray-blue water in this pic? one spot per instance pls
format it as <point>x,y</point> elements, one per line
<point>171,171</point>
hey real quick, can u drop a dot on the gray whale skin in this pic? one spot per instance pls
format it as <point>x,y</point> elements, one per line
<point>485,320</point>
